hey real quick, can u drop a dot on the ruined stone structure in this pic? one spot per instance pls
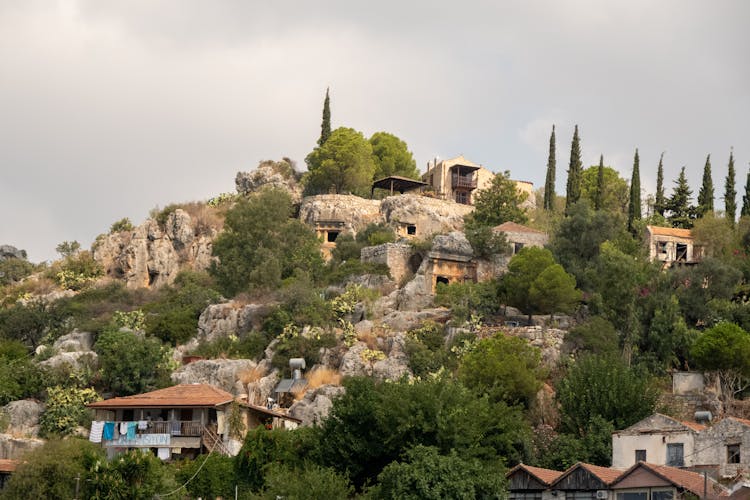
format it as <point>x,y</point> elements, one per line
<point>672,246</point>
<point>520,236</point>
<point>398,257</point>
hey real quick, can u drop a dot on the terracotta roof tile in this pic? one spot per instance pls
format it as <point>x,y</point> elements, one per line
<point>178,395</point>
<point>741,420</point>
<point>691,481</point>
<point>8,465</point>
<point>512,227</point>
<point>694,425</point>
<point>606,474</point>
<point>546,476</point>
<point>670,231</point>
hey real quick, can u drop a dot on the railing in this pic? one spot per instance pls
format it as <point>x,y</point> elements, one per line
<point>212,441</point>
<point>461,181</point>
<point>173,427</point>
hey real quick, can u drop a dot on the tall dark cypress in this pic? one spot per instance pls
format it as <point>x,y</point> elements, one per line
<point>634,207</point>
<point>325,127</point>
<point>746,198</point>
<point>575,172</point>
<point>706,193</point>
<point>660,201</point>
<point>549,183</point>
<point>599,194</point>
<point>681,213</point>
<point>730,193</point>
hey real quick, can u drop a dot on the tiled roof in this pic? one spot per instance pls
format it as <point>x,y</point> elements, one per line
<point>546,476</point>
<point>606,474</point>
<point>691,481</point>
<point>695,425</point>
<point>8,465</point>
<point>512,227</point>
<point>740,420</point>
<point>670,231</point>
<point>178,395</point>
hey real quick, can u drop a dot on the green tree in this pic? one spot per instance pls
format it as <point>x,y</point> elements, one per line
<point>725,349</point>
<point>325,127</point>
<point>19,375</point>
<point>660,201</point>
<point>604,386</point>
<point>698,286</point>
<point>426,474</point>
<point>68,248</point>
<point>133,475</point>
<point>66,410</point>
<point>13,270</point>
<point>634,207</point>
<point>262,244</point>
<point>500,202</point>
<point>549,183</point>
<point>599,195</point>
<point>523,269</point>
<point>212,475</point>
<point>344,163</point>
<point>595,336</point>
<point>746,198</point>
<point>613,188</point>
<point>506,369</point>
<point>706,193</point>
<point>668,338</point>
<point>575,168</point>
<point>679,211</point>
<point>310,481</point>
<point>50,471</point>
<point>29,323</point>
<point>730,193</point>
<point>714,234</point>
<point>554,290</point>
<point>131,363</point>
<point>392,157</point>
<point>121,225</point>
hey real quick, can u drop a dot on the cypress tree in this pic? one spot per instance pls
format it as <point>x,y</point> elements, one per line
<point>681,214</point>
<point>730,193</point>
<point>706,193</point>
<point>549,183</point>
<point>746,198</point>
<point>659,202</point>
<point>325,127</point>
<point>599,195</point>
<point>634,207</point>
<point>575,173</point>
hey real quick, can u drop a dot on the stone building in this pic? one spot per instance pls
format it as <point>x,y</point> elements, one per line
<point>457,179</point>
<point>671,245</point>
<point>520,236</point>
<point>657,439</point>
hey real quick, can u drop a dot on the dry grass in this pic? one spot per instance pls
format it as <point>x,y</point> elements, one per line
<point>252,375</point>
<point>317,378</point>
<point>369,338</point>
<point>206,219</point>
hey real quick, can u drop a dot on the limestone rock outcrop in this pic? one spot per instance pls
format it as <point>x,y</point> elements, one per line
<point>230,318</point>
<point>313,408</point>
<point>354,212</point>
<point>23,417</point>
<point>222,373</point>
<point>11,252</point>
<point>15,447</point>
<point>274,174</point>
<point>151,255</point>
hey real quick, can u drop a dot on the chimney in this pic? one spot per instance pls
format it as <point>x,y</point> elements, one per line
<point>297,365</point>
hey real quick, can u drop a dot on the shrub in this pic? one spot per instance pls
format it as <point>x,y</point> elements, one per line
<point>66,410</point>
<point>121,225</point>
<point>77,271</point>
<point>13,270</point>
<point>249,345</point>
<point>298,346</point>
<point>310,481</point>
<point>208,476</point>
<point>131,363</point>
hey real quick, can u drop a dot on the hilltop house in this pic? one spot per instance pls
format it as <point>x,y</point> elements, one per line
<point>456,179</point>
<point>180,421</point>
<point>671,245</point>
<point>657,439</point>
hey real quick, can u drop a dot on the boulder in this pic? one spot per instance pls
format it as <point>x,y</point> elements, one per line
<point>354,212</point>
<point>11,252</point>
<point>222,373</point>
<point>74,341</point>
<point>314,407</point>
<point>402,321</point>
<point>72,361</point>
<point>396,365</point>
<point>260,390</point>
<point>15,447</point>
<point>23,417</point>
<point>352,363</point>
<point>270,174</point>
<point>230,318</point>
<point>454,243</point>
<point>428,215</point>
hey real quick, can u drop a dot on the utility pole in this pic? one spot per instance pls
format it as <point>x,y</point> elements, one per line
<point>78,485</point>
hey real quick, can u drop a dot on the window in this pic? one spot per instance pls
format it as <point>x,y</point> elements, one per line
<point>662,495</point>
<point>517,247</point>
<point>661,247</point>
<point>633,495</point>
<point>640,456</point>
<point>331,236</point>
<point>462,197</point>
<point>675,455</point>
<point>411,229</point>
<point>733,453</point>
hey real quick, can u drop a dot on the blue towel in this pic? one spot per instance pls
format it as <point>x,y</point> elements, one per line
<point>131,430</point>
<point>109,431</point>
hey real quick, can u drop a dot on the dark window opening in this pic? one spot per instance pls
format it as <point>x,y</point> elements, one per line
<point>517,247</point>
<point>441,279</point>
<point>675,455</point>
<point>640,456</point>
<point>331,236</point>
<point>186,414</point>
<point>733,454</point>
<point>127,415</point>
<point>681,252</point>
<point>462,197</point>
<point>152,275</point>
<point>661,247</point>
<point>411,230</point>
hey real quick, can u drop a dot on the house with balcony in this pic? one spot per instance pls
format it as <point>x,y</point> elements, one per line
<point>457,179</point>
<point>181,421</point>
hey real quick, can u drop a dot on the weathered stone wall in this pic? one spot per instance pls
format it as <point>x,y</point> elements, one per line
<point>428,215</point>
<point>394,255</point>
<point>356,213</point>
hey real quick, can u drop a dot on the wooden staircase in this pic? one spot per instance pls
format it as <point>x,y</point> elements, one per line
<point>213,442</point>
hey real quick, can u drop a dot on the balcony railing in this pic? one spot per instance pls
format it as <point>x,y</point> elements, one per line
<point>462,181</point>
<point>172,427</point>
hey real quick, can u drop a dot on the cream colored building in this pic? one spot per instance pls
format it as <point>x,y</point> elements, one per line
<point>657,439</point>
<point>671,245</point>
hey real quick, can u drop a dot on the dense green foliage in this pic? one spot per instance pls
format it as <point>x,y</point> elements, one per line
<point>730,192</point>
<point>549,182</point>
<point>575,170</point>
<point>680,213</point>
<point>500,202</point>
<point>325,126</point>
<point>634,206</point>
<point>343,164</point>
<point>659,199</point>
<point>261,245</point>
<point>606,183</point>
<point>706,193</point>
<point>392,157</point>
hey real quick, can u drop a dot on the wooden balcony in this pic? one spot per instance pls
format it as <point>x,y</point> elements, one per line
<point>173,427</point>
<point>463,182</point>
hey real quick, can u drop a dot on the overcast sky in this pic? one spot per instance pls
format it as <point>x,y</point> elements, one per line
<point>109,109</point>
